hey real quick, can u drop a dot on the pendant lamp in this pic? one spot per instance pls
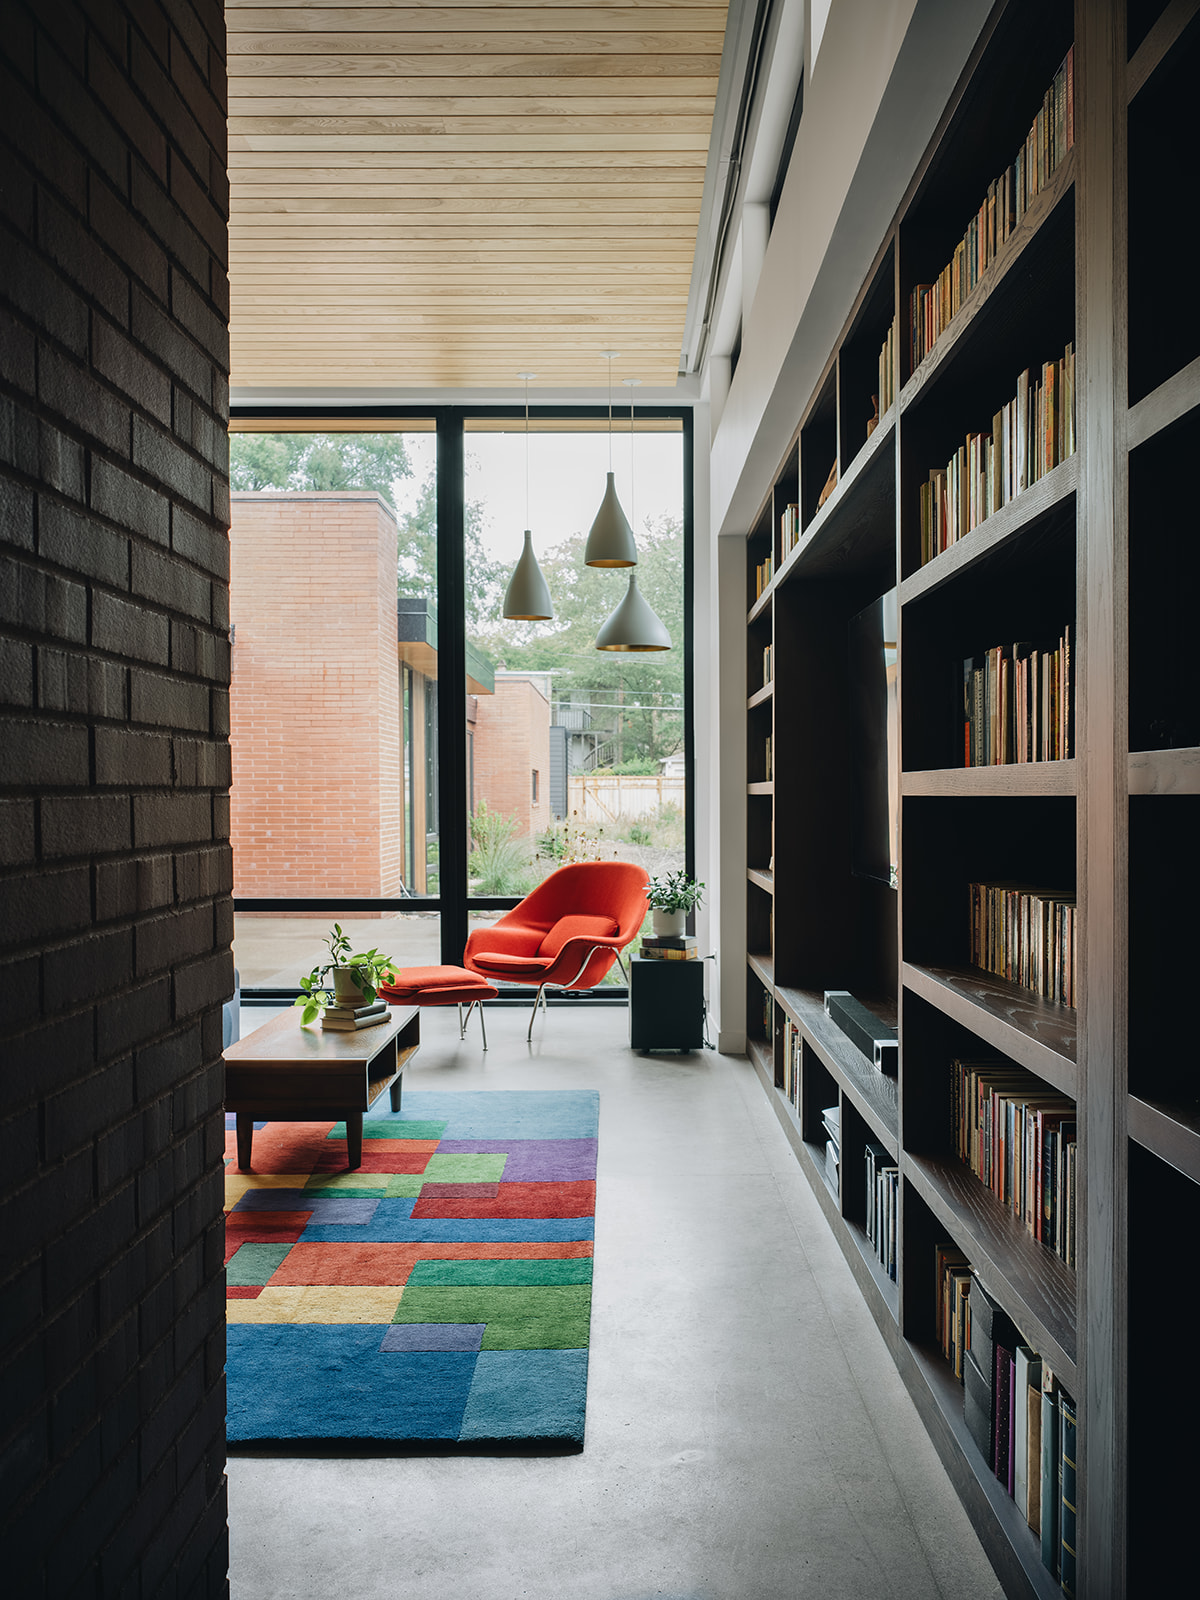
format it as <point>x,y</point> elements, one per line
<point>634,625</point>
<point>610,542</point>
<point>527,599</point>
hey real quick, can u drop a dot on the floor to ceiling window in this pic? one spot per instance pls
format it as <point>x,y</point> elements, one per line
<point>406,760</point>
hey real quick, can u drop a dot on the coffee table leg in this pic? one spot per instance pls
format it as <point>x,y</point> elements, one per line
<point>245,1139</point>
<point>394,1091</point>
<point>354,1138</point>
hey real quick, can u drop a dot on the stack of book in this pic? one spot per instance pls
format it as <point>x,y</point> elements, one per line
<point>1018,1136</point>
<point>791,1061</point>
<point>348,1019</point>
<point>888,362</point>
<point>953,1317</point>
<point>789,530</point>
<point>1026,935</point>
<point>831,1121</point>
<point>1031,435</point>
<point>673,948</point>
<point>883,1192</point>
<point>1008,197</point>
<point>1018,702</point>
<point>1019,1415</point>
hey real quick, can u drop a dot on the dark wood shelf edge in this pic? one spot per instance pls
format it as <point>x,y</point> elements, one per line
<point>1165,771</point>
<point>1164,405</point>
<point>1005,263</point>
<point>841,500</point>
<point>763,967</point>
<point>840,1059</point>
<point>761,696</point>
<point>1008,1237</point>
<point>884,1307</point>
<point>1008,1543</point>
<point>944,988</point>
<point>1058,486</point>
<point>1170,1132</point>
<point>1015,777</point>
<point>1157,45</point>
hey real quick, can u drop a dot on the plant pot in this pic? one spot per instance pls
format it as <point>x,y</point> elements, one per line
<point>346,991</point>
<point>669,924</point>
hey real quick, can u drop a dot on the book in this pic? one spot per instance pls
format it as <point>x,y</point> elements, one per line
<point>1067,1514</point>
<point>369,1008</point>
<point>1033,1456</point>
<point>353,1024</point>
<point>1051,1473</point>
<point>1003,1413</point>
<point>1027,1362</point>
<point>670,948</point>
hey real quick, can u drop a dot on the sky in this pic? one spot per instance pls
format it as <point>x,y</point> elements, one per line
<point>566,481</point>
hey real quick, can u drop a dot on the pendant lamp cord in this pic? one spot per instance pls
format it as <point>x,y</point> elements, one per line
<point>526,452</point>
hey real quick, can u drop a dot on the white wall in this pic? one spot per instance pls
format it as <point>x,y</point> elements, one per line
<point>878,85</point>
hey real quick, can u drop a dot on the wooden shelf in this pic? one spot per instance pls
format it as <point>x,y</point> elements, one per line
<point>1036,1289</point>
<point>945,1392</point>
<point>761,604</point>
<point>1172,1132</point>
<point>874,1094</point>
<point>763,967</point>
<point>764,879</point>
<point>1167,404</point>
<point>1165,771</point>
<point>1041,500</point>
<point>852,534</point>
<point>1015,778</point>
<point>761,788</point>
<point>1158,44</point>
<point>889,1290</point>
<point>1001,274</point>
<point>1035,1033</point>
<point>760,697</point>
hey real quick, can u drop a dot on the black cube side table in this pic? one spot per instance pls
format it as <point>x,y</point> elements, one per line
<point>666,1005</point>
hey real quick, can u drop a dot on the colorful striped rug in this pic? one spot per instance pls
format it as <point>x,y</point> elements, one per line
<point>440,1294</point>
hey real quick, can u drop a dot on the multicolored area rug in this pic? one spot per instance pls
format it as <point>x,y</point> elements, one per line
<point>439,1294</point>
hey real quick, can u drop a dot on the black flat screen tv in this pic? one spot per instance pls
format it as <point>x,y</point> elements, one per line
<point>874,741</point>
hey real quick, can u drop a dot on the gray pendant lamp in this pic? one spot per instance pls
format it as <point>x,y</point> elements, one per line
<point>634,625</point>
<point>527,598</point>
<point>610,542</point>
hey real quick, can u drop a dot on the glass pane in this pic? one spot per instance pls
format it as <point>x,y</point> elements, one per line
<point>333,703</point>
<point>576,753</point>
<point>275,949</point>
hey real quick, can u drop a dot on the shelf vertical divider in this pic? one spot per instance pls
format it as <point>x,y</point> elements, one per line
<point>1102,843</point>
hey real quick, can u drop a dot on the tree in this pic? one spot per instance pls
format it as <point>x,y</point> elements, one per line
<point>637,698</point>
<point>319,461</point>
<point>485,578</point>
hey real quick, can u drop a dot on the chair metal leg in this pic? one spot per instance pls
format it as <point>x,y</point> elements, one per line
<point>621,964</point>
<point>539,998</point>
<point>482,1024</point>
<point>462,1026</point>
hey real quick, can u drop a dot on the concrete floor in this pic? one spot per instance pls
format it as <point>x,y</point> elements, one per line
<point>748,1437</point>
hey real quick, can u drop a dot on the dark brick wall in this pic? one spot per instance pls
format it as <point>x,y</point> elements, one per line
<point>115,873</point>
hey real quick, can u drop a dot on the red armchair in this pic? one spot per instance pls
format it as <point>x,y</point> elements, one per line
<point>567,933</point>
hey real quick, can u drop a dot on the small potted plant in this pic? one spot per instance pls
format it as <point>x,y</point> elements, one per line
<point>671,898</point>
<point>356,978</point>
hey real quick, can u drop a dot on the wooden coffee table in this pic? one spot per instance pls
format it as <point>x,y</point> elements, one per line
<point>285,1073</point>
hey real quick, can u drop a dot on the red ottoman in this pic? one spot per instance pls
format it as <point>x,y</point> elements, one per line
<point>442,986</point>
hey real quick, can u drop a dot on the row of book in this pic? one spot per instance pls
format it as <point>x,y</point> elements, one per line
<point>768,672</point>
<point>768,756</point>
<point>1018,1136</point>
<point>883,1204</point>
<point>932,306</point>
<point>831,1124</point>
<point>1027,935</point>
<point>1016,1410</point>
<point>1030,435</point>
<point>889,362</point>
<point>1017,703</point>
<point>789,530</point>
<point>763,573</point>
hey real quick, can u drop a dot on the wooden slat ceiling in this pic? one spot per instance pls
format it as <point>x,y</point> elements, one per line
<point>442,193</point>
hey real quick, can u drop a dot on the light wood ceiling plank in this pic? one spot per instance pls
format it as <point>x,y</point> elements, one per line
<point>414,20</point>
<point>345,66</point>
<point>687,42</point>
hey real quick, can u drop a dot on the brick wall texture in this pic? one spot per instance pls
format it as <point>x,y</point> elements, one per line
<point>315,696</point>
<point>512,741</point>
<point>114,769</point>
